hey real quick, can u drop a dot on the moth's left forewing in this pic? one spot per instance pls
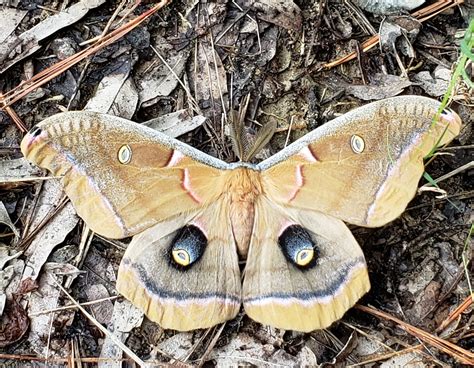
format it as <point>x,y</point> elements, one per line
<point>364,166</point>
<point>279,293</point>
<point>122,177</point>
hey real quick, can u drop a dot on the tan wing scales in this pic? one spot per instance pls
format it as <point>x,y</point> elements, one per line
<point>278,293</point>
<point>206,294</point>
<point>122,177</point>
<point>364,166</point>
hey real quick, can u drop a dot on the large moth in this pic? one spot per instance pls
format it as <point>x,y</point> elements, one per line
<point>193,215</point>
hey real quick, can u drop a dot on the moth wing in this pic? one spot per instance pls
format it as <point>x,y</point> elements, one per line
<point>205,294</point>
<point>362,167</point>
<point>278,292</point>
<point>122,177</point>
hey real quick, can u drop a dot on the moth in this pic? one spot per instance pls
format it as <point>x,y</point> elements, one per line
<point>194,216</point>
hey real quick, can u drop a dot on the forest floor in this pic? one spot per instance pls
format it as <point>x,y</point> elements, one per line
<point>189,63</point>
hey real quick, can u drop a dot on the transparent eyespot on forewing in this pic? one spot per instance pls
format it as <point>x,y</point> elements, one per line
<point>125,154</point>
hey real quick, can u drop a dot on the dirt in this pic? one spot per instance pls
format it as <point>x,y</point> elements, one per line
<point>415,262</point>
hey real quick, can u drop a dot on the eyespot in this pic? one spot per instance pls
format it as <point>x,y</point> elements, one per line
<point>304,257</point>
<point>357,143</point>
<point>187,247</point>
<point>298,246</point>
<point>35,131</point>
<point>125,154</point>
<point>181,257</point>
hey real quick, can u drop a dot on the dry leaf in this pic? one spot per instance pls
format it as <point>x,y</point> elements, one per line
<point>28,41</point>
<point>14,322</point>
<point>388,6</point>
<point>10,19</point>
<point>125,318</point>
<point>154,78</point>
<point>285,14</point>
<point>210,81</point>
<point>116,93</point>
<point>176,123</point>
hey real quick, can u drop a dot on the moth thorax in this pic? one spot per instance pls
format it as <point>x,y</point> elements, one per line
<point>243,185</point>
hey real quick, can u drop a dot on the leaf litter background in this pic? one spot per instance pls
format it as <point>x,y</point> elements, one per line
<point>182,72</point>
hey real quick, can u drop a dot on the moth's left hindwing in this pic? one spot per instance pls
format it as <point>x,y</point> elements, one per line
<point>184,273</point>
<point>122,177</point>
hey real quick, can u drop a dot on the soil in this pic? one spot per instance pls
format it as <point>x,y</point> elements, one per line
<point>276,52</point>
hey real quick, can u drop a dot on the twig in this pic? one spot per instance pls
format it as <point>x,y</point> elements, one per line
<point>211,345</point>
<point>467,166</point>
<point>422,15</point>
<point>106,332</point>
<point>289,130</point>
<point>107,26</point>
<point>194,104</point>
<point>455,313</point>
<point>462,355</point>
<point>72,306</point>
<point>16,119</point>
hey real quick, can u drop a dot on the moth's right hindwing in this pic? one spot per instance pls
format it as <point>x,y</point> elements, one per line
<point>290,285</point>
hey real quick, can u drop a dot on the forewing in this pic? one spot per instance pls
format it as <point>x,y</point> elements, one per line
<point>364,166</point>
<point>122,177</point>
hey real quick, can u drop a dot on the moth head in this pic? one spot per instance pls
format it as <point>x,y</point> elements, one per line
<point>187,247</point>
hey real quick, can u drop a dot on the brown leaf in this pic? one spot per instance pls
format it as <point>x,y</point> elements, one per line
<point>14,322</point>
<point>285,14</point>
<point>28,285</point>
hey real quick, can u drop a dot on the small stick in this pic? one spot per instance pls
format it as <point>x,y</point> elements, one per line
<point>106,332</point>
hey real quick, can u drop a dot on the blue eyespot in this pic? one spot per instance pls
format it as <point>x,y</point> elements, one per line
<point>187,247</point>
<point>298,246</point>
